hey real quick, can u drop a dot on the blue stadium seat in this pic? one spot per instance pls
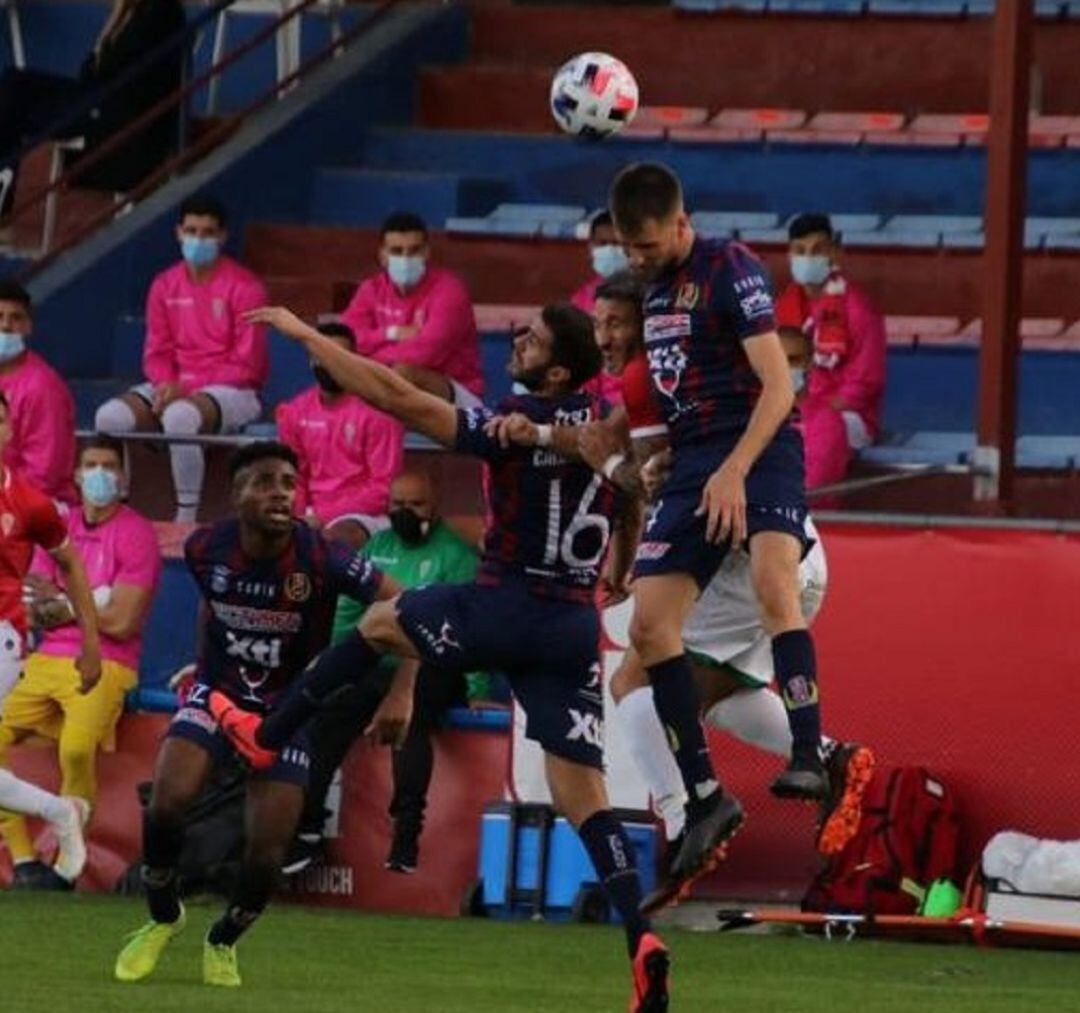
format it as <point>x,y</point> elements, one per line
<point>725,222</point>
<point>841,7</point>
<point>765,237</point>
<point>128,339</point>
<point>712,6</point>
<point>918,8</point>
<point>169,640</point>
<point>1062,242</point>
<point>850,223</point>
<point>896,237</point>
<point>290,372</point>
<point>934,223</point>
<point>538,213</point>
<point>1057,452</point>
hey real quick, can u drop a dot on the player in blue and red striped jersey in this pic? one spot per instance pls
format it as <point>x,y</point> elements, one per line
<point>726,394</point>
<point>530,612</point>
<point>269,585</point>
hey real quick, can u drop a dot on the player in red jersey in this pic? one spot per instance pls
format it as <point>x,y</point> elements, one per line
<point>28,518</point>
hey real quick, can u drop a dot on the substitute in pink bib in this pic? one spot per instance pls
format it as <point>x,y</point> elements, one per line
<point>41,408</point>
<point>416,317</point>
<point>349,454</point>
<point>204,364</point>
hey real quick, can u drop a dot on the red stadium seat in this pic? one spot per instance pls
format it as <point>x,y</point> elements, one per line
<point>491,319</point>
<point>714,135</point>
<point>845,137</point>
<point>964,124</point>
<point>759,119</point>
<point>905,330</point>
<point>866,123</point>
<point>667,117</point>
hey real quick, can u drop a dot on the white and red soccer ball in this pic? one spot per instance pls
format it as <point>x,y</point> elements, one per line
<point>593,95</point>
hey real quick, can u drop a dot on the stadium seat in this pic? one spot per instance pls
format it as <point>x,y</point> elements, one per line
<point>759,119</point>
<point>895,237</point>
<point>721,222</point>
<point>962,124</point>
<point>918,8</point>
<point>712,6</point>
<point>494,226</point>
<point>842,7</point>
<point>765,237</point>
<point>714,135</point>
<point>903,330</point>
<point>537,213</point>
<point>1053,452</point>
<point>926,448</point>
<point>670,117</point>
<point>849,223</point>
<point>865,123</point>
<point>907,139</point>
<point>934,223</point>
<point>502,318</point>
<point>847,138</point>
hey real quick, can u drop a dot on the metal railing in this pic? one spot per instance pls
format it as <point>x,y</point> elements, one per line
<point>188,153</point>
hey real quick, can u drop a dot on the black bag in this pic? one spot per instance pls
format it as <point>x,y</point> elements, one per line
<point>214,837</point>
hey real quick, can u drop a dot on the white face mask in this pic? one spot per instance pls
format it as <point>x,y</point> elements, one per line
<point>809,270</point>
<point>798,379</point>
<point>405,272</point>
<point>608,259</point>
<point>12,345</point>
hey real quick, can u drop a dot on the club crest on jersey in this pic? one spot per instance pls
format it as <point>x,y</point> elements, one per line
<point>298,587</point>
<point>688,296</point>
<point>666,366</point>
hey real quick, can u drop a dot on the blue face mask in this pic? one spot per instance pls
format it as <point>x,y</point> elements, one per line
<point>405,272</point>
<point>11,345</point>
<point>798,379</point>
<point>608,259</point>
<point>810,270</point>
<point>100,487</point>
<point>199,251</point>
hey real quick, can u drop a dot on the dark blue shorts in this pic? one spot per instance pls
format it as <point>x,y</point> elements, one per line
<point>194,722</point>
<point>548,649</point>
<point>674,537</point>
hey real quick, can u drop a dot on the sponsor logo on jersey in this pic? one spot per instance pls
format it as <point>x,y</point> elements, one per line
<point>688,296</point>
<point>585,727</point>
<point>544,458</point>
<point>253,620</point>
<point>298,587</point>
<point>257,588</point>
<point>749,283</point>
<point>666,326</point>
<point>262,651</point>
<point>756,304</point>
<point>573,416</point>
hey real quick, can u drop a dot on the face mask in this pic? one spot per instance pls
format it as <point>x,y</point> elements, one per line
<point>609,259</point>
<point>798,379</point>
<point>325,381</point>
<point>11,346</point>
<point>405,272</point>
<point>100,487</point>
<point>199,252</point>
<point>409,526</point>
<point>810,270</point>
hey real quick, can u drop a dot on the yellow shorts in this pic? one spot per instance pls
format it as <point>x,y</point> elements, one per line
<point>48,695</point>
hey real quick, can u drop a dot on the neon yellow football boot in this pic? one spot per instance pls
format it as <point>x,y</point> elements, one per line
<point>219,965</point>
<point>144,947</point>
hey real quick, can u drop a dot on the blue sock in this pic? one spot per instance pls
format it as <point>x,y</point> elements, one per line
<point>338,666</point>
<point>796,673</point>
<point>676,699</point>
<point>612,856</point>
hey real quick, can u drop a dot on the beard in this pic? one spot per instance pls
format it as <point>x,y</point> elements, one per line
<point>530,379</point>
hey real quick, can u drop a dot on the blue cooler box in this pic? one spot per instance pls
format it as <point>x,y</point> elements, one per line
<point>533,864</point>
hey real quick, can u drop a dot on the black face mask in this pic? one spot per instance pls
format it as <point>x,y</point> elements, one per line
<point>409,526</point>
<point>325,381</point>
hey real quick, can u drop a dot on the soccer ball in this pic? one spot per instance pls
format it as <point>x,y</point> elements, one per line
<point>593,95</point>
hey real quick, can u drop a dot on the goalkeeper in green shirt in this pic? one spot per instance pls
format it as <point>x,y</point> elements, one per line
<point>418,548</point>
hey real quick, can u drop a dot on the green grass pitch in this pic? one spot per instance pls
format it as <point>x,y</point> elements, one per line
<point>56,953</point>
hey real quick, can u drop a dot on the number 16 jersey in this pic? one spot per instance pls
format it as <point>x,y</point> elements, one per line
<point>549,519</point>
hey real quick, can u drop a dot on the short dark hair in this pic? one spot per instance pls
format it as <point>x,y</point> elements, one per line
<point>261,450</point>
<point>643,191</point>
<point>598,221</point>
<point>809,223</point>
<point>623,287</point>
<point>403,221</point>
<point>102,441</point>
<point>336,329</point>
<point>12,291</point>
<point>204,204</point>
<point>574,346</point>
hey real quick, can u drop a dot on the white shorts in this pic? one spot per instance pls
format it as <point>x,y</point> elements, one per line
<point>463,397</point>
<point>238,405</point>
<point>725,625</point>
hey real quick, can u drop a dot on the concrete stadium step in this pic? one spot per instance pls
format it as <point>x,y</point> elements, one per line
<point>889,62</point>
<point>352,196</point>
<point>513,271</point>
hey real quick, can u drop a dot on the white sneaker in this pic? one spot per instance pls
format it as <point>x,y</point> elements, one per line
<point>71,857</point>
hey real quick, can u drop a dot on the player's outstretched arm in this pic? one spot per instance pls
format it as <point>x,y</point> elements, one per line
<point>378,385</point>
